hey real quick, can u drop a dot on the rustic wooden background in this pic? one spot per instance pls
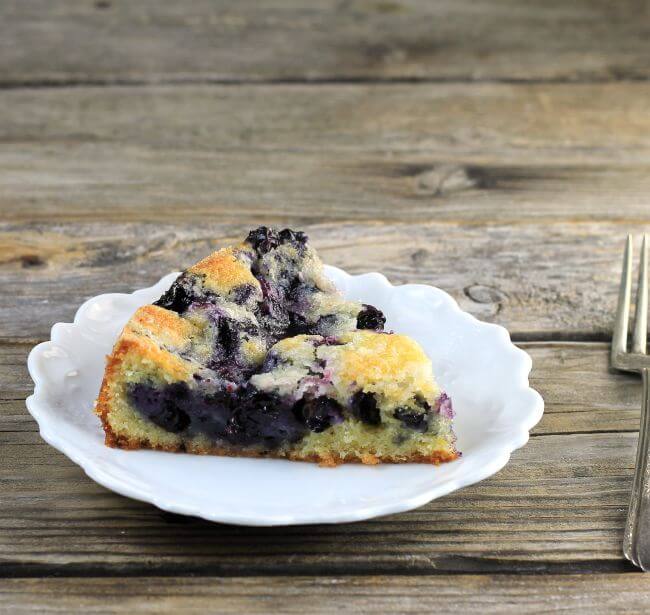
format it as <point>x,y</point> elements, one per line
<point>497,149</point>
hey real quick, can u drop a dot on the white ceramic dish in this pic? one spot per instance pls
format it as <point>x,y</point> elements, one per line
<point>475,362</point>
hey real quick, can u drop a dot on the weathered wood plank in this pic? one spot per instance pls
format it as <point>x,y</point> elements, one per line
<point>541,281</point>
<point>110,40</point>
<point>560,504</point>
<point>605,122</point>
<point>453,153</point>
<point>15,382</point>
<point>597,594</point>
<point>77,183</point>
<point>563,372</point>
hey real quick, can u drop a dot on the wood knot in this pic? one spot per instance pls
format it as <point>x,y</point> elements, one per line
<point>480,293</point>
<point>32,260</point>
<point>419,257</point>
<point>443,179</point>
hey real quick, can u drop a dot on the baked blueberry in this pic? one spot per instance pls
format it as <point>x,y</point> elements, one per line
<point>319,413</point>
<point>370,318</point>
<point>296,238</point>
<point>162,406</point>
<point>265,421</point>
<point>263,239</point>
<point>412,419</point>
<point>180,294</point>
<point>364,407</point>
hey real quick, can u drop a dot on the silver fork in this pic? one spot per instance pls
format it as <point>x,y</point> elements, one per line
<point>636,541</point>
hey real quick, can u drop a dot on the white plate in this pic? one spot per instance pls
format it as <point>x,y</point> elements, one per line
<point>475,362</point>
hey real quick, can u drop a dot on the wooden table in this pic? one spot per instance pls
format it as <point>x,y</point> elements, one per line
<point>499,150</point>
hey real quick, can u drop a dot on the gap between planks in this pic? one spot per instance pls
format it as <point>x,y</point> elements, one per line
<point>42,84</point>
<point>479,567</point>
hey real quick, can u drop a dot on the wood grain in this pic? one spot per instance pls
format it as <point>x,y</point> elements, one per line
<point>500,150</point>
<point>602,122</point>
<point>541,281</point>
<point>559,505</point>
<point>478,153</point>
<point>150,41</point>
<point>597,594</point>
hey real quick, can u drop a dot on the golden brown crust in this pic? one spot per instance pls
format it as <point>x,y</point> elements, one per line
<point>370,357</point>
<point>223,271</point>
<point>103,403</point>
<point>132,342</point>
<point>165,326</point>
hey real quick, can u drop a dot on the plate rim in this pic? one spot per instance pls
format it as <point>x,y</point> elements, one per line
<point>519,437</point>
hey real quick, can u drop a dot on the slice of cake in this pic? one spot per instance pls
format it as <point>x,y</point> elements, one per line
<point>253,352</point>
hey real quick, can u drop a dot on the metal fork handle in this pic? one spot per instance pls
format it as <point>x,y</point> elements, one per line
<point>636,543</point>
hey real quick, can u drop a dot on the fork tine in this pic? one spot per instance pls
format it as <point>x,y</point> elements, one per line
<point>641,314</point>
<point>619,339</point>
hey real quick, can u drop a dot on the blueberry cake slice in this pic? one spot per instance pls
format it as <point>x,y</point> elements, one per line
<point>253,352</point>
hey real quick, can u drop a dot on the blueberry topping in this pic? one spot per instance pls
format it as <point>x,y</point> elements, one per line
<point>371,318</point>
<point>179,296</point>
<point>263,239</point>
<point>364,407</point>
<point>413,420</point>
<point>296,237</point>
<point>319,413</point>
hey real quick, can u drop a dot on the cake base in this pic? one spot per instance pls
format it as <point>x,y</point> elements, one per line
<point>117,441</point>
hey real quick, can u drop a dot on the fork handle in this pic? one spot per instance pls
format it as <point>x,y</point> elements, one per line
<point>636,542</point>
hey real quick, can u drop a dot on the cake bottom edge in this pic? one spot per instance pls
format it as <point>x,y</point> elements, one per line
<point>114,440</point>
